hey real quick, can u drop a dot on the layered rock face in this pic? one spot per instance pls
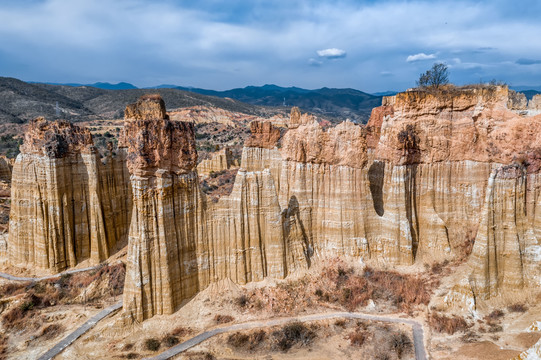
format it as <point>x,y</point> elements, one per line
<point>412,186</point>
<point>167,215</point>
<point>67,206</point>
<point>221,160</point>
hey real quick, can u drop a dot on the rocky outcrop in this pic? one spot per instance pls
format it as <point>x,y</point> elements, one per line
<point>167,215</point>
<point>67,206</point>
<point>263,135</point>
<point>221,160</point>
<point>413,186</point>
<point>5,170</point>
<point>430,172</point>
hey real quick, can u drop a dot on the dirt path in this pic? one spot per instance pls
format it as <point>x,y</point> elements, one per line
<point>17,278</point>
<point>68,340</point>
<point>418,334</point>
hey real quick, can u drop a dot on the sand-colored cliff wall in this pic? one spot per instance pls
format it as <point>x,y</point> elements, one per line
<point>167,215</point>
<point>66,205</point>
<point>221,160</point>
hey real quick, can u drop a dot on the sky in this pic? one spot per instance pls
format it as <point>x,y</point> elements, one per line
<point>368,45</point>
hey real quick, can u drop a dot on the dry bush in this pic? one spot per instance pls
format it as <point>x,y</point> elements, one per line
<point>242,301</point>
<point>247,341</point>
<point>181,331</point>
<point>400,343</point>
<point>292,334</point>
<point>357,337</point>
<point>340,323</point>
<point>152,344</point>
<point>14,288</point>
<point>131,355</point>
<point>223,319</point>
<point>339,284</point>
<point>517,308</point>
<point>450,325</point>
<point>51,331</point>
<point>238,339</point>
<point>3,346</point>
<point>494,316</point>
<point>170,341</point>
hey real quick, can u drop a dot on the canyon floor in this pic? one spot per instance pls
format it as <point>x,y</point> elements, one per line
<point>324,289</point>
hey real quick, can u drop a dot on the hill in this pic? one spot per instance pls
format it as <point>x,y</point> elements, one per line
<point>336,103</point>
<point>21,101</point>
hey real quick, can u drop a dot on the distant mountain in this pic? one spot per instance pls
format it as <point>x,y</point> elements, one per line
<point>108,86</point>
<point>21,101</point>
<point>99,85</point>
<point>523,88</point>
<point>385,93</point>
<point>337,103</point>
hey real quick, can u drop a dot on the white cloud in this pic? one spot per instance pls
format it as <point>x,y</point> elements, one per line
<point>333,53</point>
<point>420,56</point>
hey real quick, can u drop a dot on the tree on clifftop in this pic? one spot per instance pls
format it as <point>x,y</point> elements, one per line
<point>435,77</point>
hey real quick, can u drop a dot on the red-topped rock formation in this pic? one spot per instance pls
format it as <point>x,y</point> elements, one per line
<point>67,206</point>
<point>56,139</point>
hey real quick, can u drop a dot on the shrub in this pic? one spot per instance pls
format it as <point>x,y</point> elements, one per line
<point>242,301</point>
<point>450,325</point>
<point>400,344</point>
<point>152,344</point>
<point>238,339</point>
<point>517,308</point>
<point>494,315</point>
<point>170,341</point>
<point>357,337</point>
<point>293,333</point>
<point>223,319</point>
<point>131,355</point>
<point>180,331</point>
<point>50,331</point>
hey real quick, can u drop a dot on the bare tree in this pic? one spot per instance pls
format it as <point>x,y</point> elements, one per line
<point>435,77</point>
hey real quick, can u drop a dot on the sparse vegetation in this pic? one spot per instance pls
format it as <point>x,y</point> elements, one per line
<point>341,285</point>
<point>152,344</point>
<point>223,319</point>
<point>517,308</point>
<point>51,331</point>
<point>292,334</point>
<point>450,325</point>
<point>435,77</point>
<point>31,297</point>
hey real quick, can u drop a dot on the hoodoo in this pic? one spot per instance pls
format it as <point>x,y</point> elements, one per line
<point>67,206</point>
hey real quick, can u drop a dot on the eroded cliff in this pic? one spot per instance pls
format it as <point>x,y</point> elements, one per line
<point>67,206</point>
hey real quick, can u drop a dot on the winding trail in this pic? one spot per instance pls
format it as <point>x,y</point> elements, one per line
<point>18,278</point>
<point>417,327</point>
<point>418,334</point>
<point>89,324</point>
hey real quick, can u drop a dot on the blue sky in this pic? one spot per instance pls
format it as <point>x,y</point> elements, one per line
<point>368,45</point>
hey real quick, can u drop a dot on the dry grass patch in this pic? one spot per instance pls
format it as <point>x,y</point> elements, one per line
<point>223,319</point>
<point>442,323</point>
<point>339,284</point>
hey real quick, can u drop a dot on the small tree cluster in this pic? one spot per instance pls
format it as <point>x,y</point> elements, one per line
<point>435,77</point>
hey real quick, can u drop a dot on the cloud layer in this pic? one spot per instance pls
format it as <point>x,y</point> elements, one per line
<point>220,45</point>
<point>420,56</point>
<point>332,53</point>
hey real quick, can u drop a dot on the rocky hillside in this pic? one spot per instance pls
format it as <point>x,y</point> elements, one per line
<point>451,175</point>
<point>333,103</point>
<point>21,102</point>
